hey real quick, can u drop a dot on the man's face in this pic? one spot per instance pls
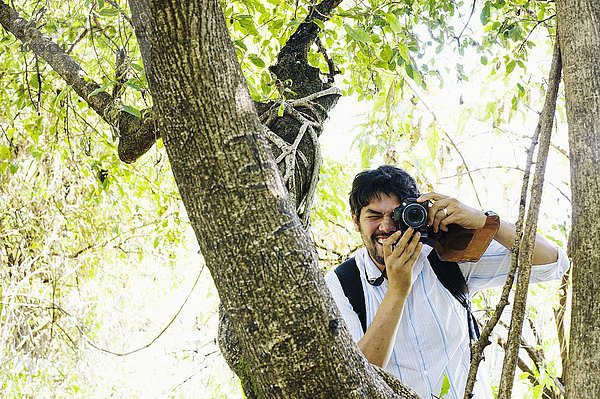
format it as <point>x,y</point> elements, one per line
<point>375,224</point>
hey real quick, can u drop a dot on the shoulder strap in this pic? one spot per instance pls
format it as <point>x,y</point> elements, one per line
<point>453,280</point>
<point>349,277</point>
<point>448,273</point>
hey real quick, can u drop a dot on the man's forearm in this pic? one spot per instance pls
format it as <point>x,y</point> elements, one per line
<point>544,252</point>
<point>378,341</point>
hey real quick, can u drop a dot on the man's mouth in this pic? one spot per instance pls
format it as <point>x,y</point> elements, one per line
<point>381,239</point>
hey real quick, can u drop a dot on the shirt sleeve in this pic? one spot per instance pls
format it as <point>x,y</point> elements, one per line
<point>492,269</point>
<point>343,304</point>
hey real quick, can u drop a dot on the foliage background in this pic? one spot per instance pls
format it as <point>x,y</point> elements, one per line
<point>98,257</point>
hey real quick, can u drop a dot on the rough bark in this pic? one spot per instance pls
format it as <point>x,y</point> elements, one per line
<point>579,28</point>
<point>261,259</point>
<point>526,251</point>
<point>292,66</point>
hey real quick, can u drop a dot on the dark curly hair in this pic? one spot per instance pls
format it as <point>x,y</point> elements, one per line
<point>386,179</point>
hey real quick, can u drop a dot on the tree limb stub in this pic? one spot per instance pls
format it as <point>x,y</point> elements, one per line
<point>292,60</point>
<point>298,44</point>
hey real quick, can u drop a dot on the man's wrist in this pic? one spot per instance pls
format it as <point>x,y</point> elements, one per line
<point>492,221</point>
<point>398,292</point>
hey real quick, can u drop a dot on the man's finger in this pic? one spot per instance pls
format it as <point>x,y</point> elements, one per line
<point>431,196</point>
<point>390,242</point>
<point>408,252</point>
<point>416,254</point>
<point>434,211</point>
<point>445,222</point>
<point>401,244</point>
<point>437,219</point>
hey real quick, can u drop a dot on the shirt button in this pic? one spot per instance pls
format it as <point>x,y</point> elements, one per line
<point>425,372</point>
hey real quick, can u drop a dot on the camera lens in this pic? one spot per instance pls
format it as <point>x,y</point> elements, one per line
<point>414,215</point>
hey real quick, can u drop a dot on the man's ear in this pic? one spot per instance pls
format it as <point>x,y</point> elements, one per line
<point>356,224</point>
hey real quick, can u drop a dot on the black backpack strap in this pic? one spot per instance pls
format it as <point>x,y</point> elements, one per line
<point>349,277</point>
<point>453,280</point>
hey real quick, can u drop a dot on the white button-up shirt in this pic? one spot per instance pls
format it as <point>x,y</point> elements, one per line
<point>433,339</point>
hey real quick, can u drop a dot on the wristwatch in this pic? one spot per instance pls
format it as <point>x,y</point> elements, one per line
<point>492,221</point>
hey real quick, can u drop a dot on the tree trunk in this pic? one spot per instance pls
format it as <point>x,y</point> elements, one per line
<point>579,31</point>
<point>260,257</point>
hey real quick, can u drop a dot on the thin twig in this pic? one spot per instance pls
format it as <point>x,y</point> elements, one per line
<point>467,23</point>
<point>92,344</point>
<point>332,70</point>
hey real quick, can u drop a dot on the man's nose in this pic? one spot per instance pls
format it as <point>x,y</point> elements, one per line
<point>388,225</point>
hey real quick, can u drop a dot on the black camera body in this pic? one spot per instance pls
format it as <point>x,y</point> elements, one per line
<point>413,214</point>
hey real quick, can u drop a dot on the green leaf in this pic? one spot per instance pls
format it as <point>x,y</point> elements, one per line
<point>516,33</point>
<point>131,110</point>
<point>392,21</point>
<point>100,89</point>
<point>358,34</point>
<point>319,23</point>
<point>484,17</point>
<point>240,44</point>
<point>137,67</point>
<point>433,141</point>
<point>386,53</point>
<point>256,60</point>
<point>404,53</point>
<point>510,66</point>
<point>409,70</point>
<point>247,23</point>
<point>281,109</point>
<point>4,152</point>
<point>109,12</point>
<point>445,387</point>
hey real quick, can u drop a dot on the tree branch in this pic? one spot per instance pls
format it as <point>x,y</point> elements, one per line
<point>64,65</point>
<point>545,125</point>
<point>526,254</point>
<point>136,136</point>
<point>292,60</point>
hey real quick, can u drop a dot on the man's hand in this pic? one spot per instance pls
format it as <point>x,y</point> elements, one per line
<point>447,210</point>
<point>401,251</point>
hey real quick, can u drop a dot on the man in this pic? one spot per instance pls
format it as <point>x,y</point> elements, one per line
<point>416,329</point>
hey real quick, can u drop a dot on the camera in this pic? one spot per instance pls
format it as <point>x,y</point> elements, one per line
<point>413,214</point>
